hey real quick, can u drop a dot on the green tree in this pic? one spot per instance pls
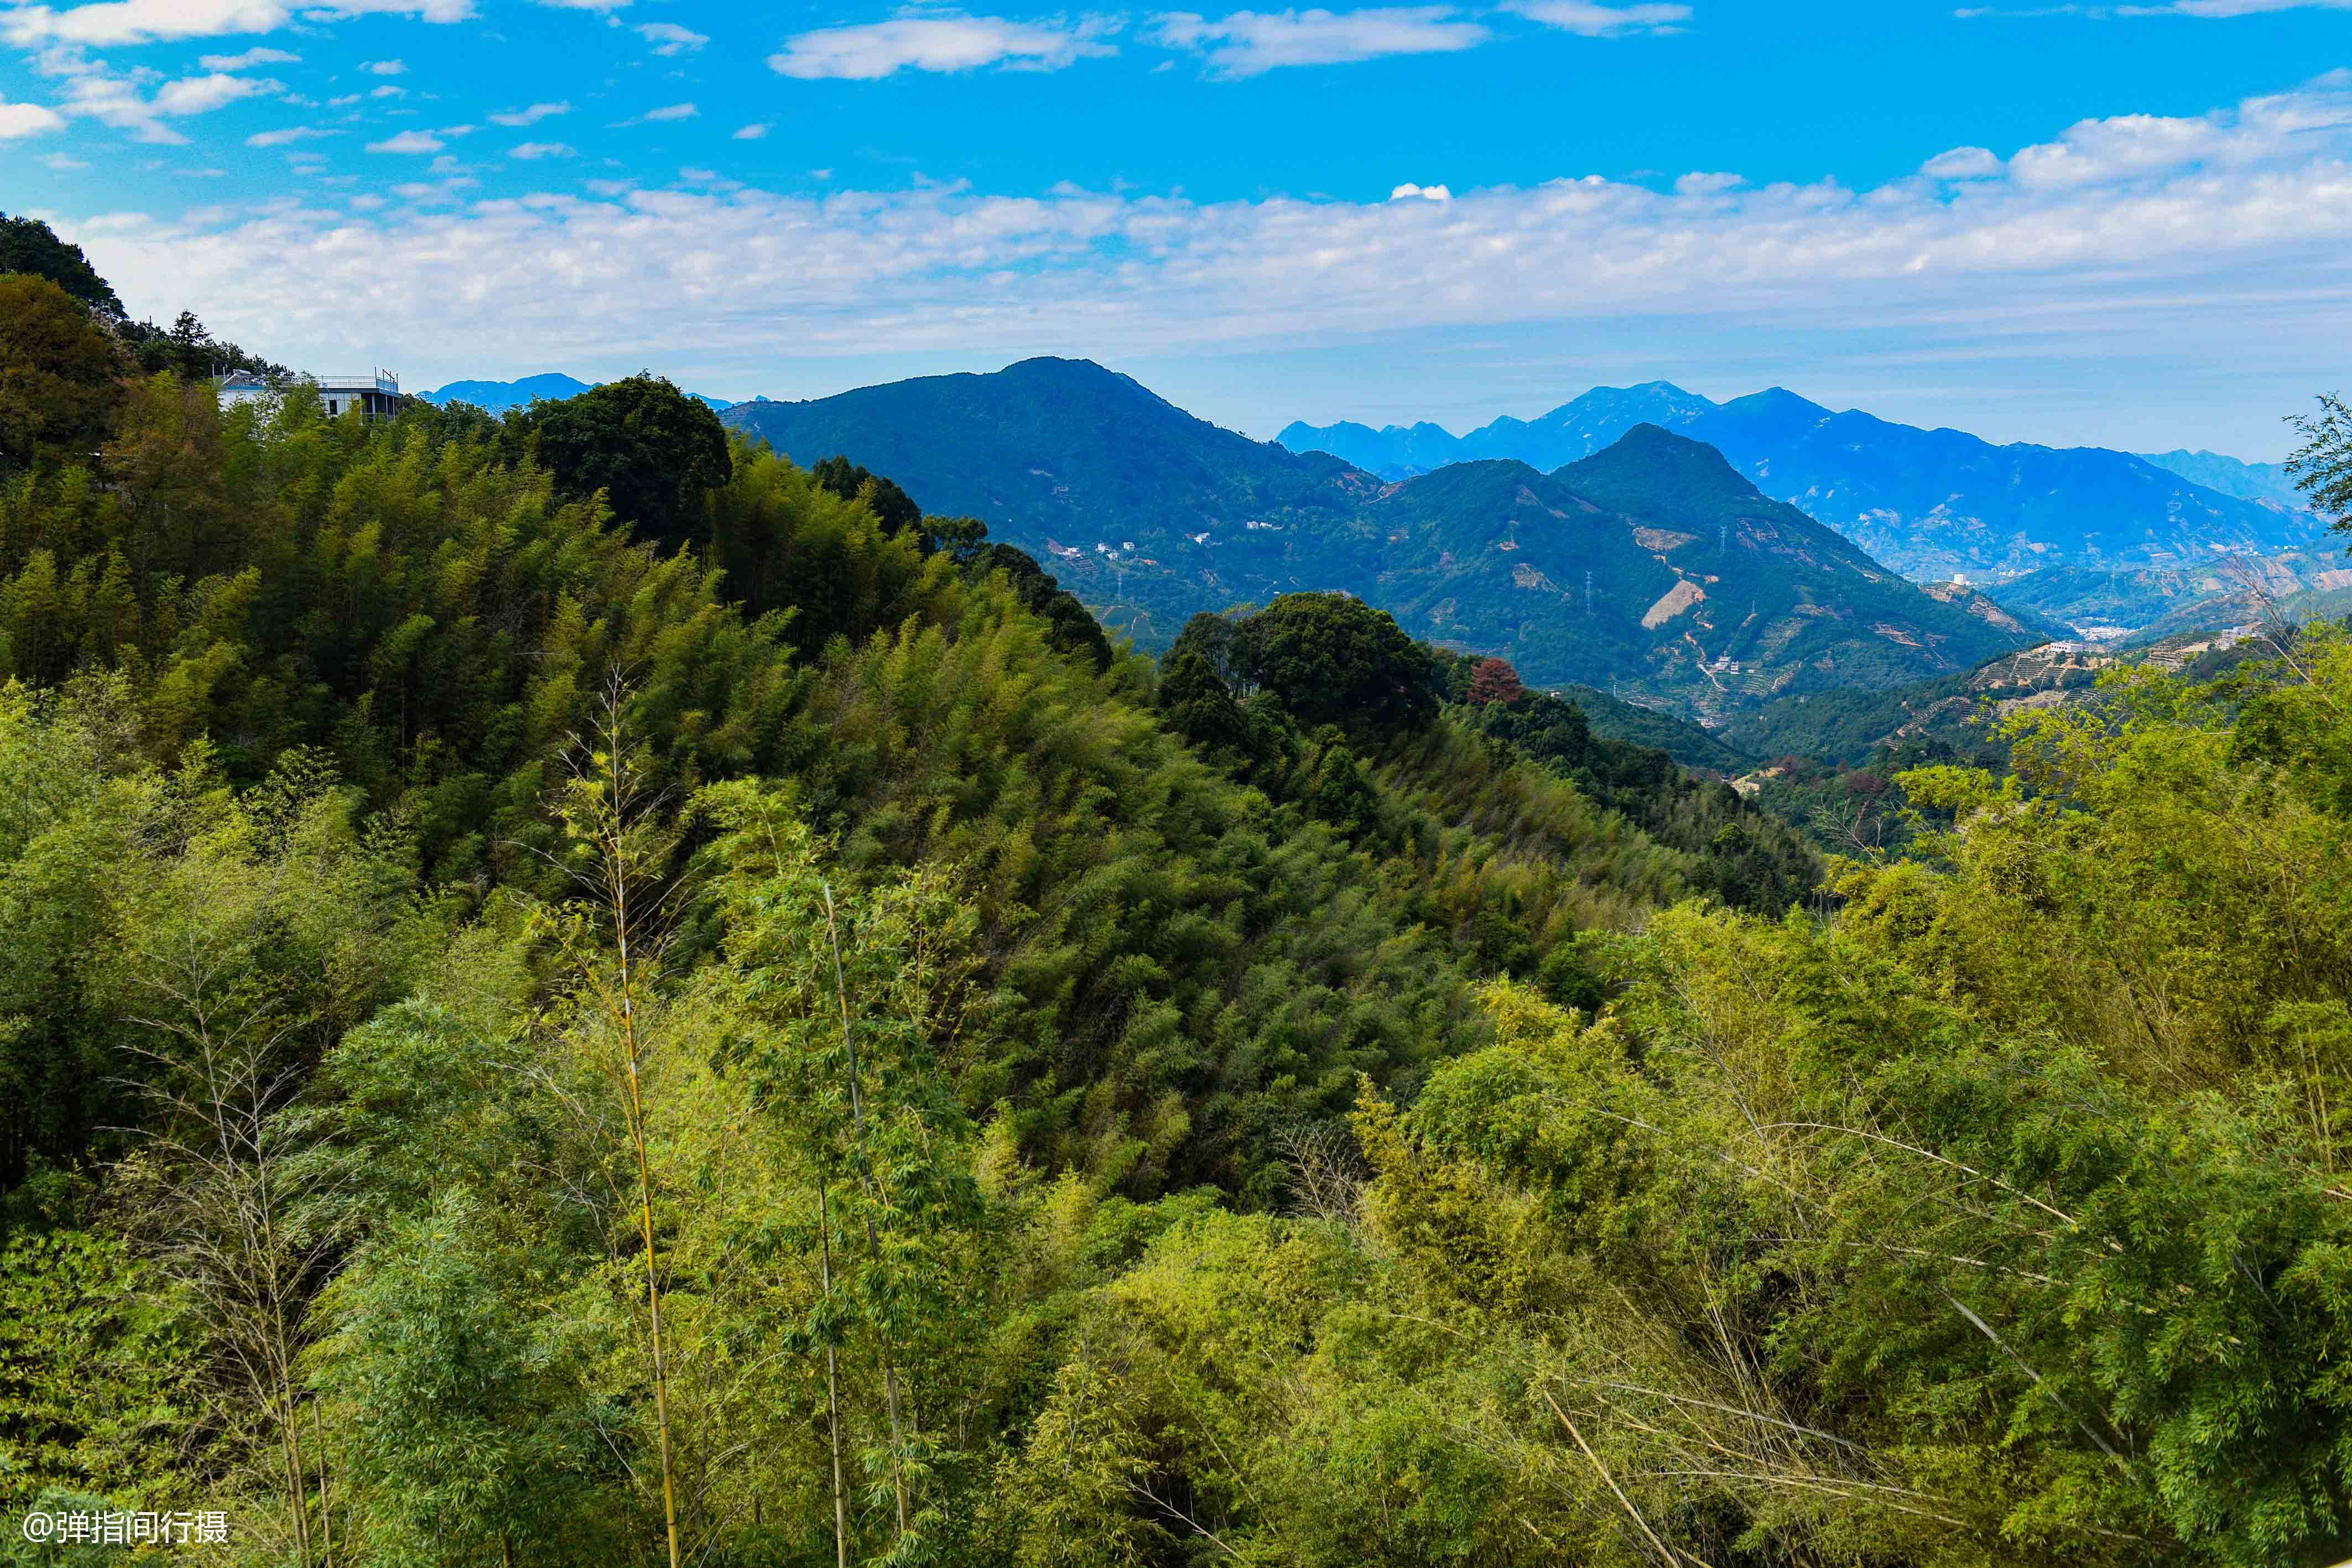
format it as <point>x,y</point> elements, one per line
<point>468,1419</point>
<point>1333,659</point>
<point>2322,466</point>
<point>1073,629</point>
<point>97,1370</point>
<point>30,246</point>
<point>651,449</point>
<point>892,507</point>
<point>60,375</point>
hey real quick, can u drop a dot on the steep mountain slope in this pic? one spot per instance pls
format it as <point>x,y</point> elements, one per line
<point>550,386</point>
<point>1691,744</point>
<point>1138,507</point>
<point>1654,571</point>
<point>1933,503</point>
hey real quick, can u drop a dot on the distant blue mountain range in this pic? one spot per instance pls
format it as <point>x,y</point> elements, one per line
<point>1933,503</point>
<point>2247,481</point>
<point>552,386</point>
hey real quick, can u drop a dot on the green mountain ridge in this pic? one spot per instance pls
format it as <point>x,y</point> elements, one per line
<point>1150,515</point>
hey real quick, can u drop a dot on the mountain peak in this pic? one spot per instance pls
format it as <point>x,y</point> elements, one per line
<point>1661,457</point>
<point>1054,365</point>
<point>1776,402</point>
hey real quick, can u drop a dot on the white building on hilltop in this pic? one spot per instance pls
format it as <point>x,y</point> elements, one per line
<point>376,394</point>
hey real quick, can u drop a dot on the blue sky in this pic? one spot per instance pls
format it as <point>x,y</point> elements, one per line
<point>2114,224</point>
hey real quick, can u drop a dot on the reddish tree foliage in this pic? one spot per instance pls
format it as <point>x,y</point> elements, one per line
<point>1494,681</point>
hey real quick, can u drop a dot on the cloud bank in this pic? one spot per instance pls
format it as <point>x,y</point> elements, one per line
<point>2084,243</point>
<point>940,43</point>
<point>1249,43</point>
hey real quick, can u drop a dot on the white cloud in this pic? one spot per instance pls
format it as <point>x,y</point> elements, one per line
<point>752,133</point>
<point>1410,191</point>
<point>408,142</point>
<point>530,151</point>
<point>112,22</point>
<point>389,91</point>
<point>93,90</point>
<point>18,120</point>
<point>531,116</point>
<point>142,21</point>
<point>280,138</point>
<point>669,38</point>
<point>940,43</point>
<point>1962,163</point>
<point>248,60</point>
<point>61,162</point>
<point>674,111</point>
<point>201,95</point>
<point>2205,8</point>
<point>586,5</point>
<point>2231,7</point>
<point>2193,252</point>
<point>1601,21</point>
<point>1700,183</point>
<point>1250,42</point>
<point>385,68</point>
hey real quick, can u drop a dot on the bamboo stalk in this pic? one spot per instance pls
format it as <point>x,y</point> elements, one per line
<point>1648,1534</point>
<point>865,1178</point>
<point>832,1373</point>
<point>617,893</point>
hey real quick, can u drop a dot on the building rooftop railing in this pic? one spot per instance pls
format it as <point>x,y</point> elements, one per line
<point>357,380</point>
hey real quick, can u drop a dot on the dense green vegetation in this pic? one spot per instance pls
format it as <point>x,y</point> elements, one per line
<point>1692,746</point>
<point>1749,859</point>
<point>533,1038</point>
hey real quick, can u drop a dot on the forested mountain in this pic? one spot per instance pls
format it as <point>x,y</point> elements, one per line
<point>1932,503</point>
<point>573,992</point>
<point>1654,570</point>
<point>1155,515</point>
<point>1144,510</point>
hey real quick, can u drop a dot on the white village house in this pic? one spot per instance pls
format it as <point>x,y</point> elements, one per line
<point>376,394</point>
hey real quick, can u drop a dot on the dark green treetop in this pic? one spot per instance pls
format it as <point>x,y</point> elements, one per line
<point>1334,659</point>
<point>29,244</point>
<point>648,447</point>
